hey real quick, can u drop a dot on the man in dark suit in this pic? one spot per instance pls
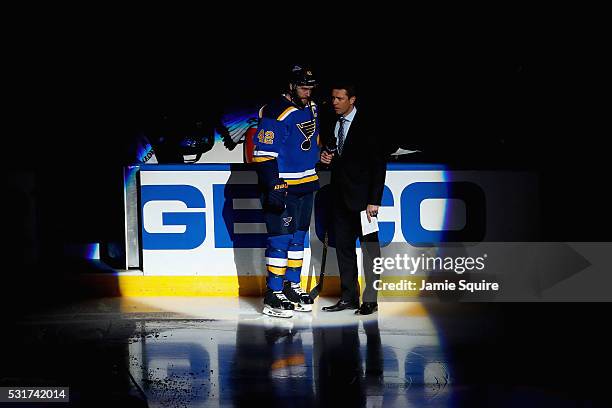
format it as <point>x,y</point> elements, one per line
<point>358,177</point>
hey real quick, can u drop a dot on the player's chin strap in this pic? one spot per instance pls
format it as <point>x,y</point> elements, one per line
<point>298,102</point>
<point>294,97</point>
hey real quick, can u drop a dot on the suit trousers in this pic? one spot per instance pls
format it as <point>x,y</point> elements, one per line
<point>347,226</point>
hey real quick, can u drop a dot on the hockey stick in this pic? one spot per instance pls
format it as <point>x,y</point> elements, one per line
<point>317,289</point>
<point>332,148</point>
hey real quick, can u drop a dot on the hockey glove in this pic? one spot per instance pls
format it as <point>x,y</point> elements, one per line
<point>276,197</point>
<point>274,187</point>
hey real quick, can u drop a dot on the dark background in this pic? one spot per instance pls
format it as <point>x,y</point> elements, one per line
<point>518,100</point>
<point>488,100</point>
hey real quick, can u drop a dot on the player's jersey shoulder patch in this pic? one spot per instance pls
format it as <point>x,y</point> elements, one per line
<point>279,109</point>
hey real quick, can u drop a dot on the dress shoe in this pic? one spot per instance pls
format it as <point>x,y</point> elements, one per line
<point>341,305</point>
<point>367,308</point>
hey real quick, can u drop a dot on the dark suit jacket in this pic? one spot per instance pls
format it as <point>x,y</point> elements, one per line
<point>358,175</point>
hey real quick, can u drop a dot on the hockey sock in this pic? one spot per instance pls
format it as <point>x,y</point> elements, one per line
<point>295,256</point>
<point>276,260</point>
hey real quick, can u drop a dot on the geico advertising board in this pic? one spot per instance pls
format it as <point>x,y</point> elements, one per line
<point>207,219</point>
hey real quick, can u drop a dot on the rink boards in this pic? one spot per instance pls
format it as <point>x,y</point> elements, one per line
<point>198,229</point>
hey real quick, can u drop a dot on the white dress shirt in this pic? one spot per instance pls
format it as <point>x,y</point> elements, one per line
<point>348,119</point>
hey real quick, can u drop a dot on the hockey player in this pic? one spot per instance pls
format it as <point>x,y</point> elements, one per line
<point>286,151</point>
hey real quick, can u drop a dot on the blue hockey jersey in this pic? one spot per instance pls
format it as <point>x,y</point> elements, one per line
<point>289,135</point>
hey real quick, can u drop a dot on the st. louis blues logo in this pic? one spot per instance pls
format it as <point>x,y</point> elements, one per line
<point>308,129</point>
<point>287,220</point>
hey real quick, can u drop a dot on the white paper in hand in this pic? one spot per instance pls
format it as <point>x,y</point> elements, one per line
<point>368,227</point>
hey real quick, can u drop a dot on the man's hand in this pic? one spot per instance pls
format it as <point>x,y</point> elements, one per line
<point>326,157</point>
<point>371,211</point>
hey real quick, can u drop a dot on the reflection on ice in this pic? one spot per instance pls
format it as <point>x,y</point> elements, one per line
<point>224,352</point>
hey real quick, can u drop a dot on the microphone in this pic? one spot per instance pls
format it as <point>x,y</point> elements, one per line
<point>331,146</point>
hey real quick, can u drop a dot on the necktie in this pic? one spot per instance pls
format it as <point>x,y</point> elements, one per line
<point>341,134</point>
